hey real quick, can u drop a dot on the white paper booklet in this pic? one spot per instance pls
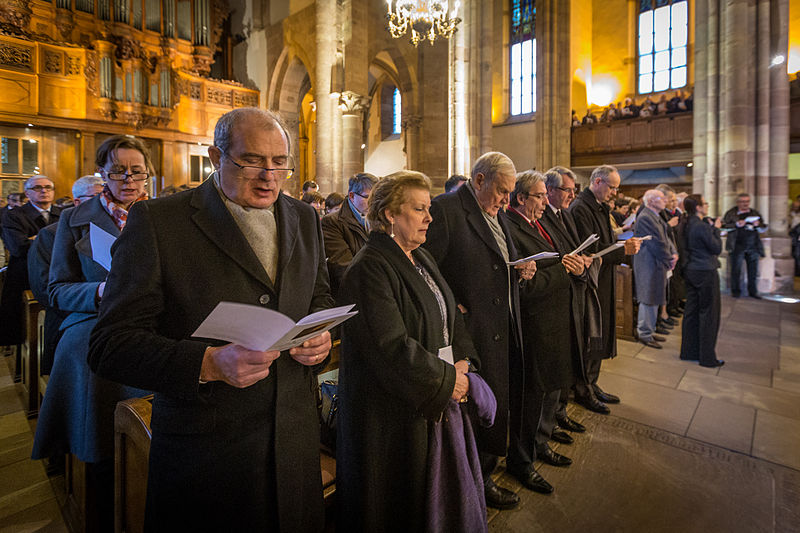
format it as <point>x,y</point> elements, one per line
<point>591,239</point>
<point>611,248</point>
<point>101,242</point>
<point>534,257</point>
<point>752,219</point>
<point>261,329</point>
<point>630,220</point>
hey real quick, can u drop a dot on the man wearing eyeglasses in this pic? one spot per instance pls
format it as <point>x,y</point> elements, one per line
<point>235,434</point>
<point>591,213</point>
<point>19,230</point>
<point>39,257</point>
<point>346,230</point>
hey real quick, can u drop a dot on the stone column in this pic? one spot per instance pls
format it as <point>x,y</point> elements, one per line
<point>353,106</point>
<point>470,99</point>
<point>411,138</point>
<point>326,106</point>
<point>553,84</point>
<point>741,119</point>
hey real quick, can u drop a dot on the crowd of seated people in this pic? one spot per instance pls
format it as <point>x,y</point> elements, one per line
<point>628,108</point>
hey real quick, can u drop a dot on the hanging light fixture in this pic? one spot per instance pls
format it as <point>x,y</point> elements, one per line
<point>426,19</point>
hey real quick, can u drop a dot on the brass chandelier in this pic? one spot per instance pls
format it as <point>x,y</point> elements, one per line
<point>426,19</point>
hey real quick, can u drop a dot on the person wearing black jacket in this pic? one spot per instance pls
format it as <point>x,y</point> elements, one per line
<point>744,226</point>
<point>701,318</point>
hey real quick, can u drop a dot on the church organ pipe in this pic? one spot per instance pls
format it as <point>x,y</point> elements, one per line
<point>105,77</point>
<point>103,9</point>
<point>201,22</point>
<point>169,17</point>
<point>121,11</point>
<point>165,88</point>
<point>152,15</point>
<point>64,4</point>
<point>87,6</point>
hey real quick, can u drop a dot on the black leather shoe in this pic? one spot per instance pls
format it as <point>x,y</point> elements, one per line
<point>659,338</point>
<point>531,479</point>
<point>671,321</point>
<point>498,497</point>
<point>553,458</point>
<point>665,325</point>
<point>570,425</point>
<point>651,343</point>
<point>715,364</point>
<point>661,330</point>
<point>593,404</point>
<point>604,396</point>
<point>756,296</point>
<point>561,436</point>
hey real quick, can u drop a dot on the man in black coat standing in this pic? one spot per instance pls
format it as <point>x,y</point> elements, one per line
<point>235,443</point>
<point>591,213</point>
<point>20,227</point>
<point>345,231</point>
<point>745,226</point>
<point>471,244</point>
<point>558,222</point>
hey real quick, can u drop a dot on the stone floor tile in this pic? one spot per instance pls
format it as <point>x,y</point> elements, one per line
<point>757,396</point>
<point>723,424</point>
<point>777,439</point>
<point>650,404</point>
<point>746,372</point>
<point>657,373</point>
<point>630,348</point>
<point>770,330</point>
<point>42,518</point>
<point>788,381</point>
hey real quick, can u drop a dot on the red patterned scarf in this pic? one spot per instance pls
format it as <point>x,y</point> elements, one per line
<point>112,207</point>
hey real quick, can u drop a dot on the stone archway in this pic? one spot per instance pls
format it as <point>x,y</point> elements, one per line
<point>291,85</point>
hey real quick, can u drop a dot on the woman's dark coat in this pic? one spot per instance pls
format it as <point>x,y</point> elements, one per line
<point>545,305</point>
<point>392,386</point>
<point>77,414</point>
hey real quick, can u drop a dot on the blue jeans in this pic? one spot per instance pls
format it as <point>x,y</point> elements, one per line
<point>751,257</point>
<point>648,314</point>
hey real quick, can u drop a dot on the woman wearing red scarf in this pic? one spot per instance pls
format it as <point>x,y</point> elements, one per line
<point>77,413</point>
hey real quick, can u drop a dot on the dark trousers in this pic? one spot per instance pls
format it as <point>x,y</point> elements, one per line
<point>522,441</point>
<point>751,257</point>
<point>585,388</point>
<point>547,421</point>
<point>701,316</point>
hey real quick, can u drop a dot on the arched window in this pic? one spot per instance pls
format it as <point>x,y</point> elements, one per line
<point>523,57</point>
<point>663,39</point>
<point>396,111</point>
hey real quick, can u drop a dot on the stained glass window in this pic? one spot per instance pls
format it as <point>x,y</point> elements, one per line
<point>663,38</point>
<point>523,57</point>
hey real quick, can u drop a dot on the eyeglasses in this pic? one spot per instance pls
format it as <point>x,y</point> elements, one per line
<point>568,190</point>
<point>252,172</point>
<point>610,187</point>
<point>537,195</point>
<point>40,188</point>
<point>122,176</point>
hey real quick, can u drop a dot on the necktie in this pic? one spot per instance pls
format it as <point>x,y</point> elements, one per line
<point>561,220</point>
<point>46,217</point>
<point>543,233</point>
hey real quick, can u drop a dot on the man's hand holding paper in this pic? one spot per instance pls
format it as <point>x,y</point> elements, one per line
<point>235,365</point>
<point>313,351</point>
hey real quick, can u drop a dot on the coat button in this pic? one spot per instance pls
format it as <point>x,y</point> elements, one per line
<point>263,299</point>
<point>495,267</point>
<point>496,301</point>
<point>497,336</point>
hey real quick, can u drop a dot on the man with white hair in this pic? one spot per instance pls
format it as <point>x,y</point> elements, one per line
<point>19,231</point>
<point>471,242</point>
<point>591,213</point>
<point>235,431</point>
<point>656,257</point>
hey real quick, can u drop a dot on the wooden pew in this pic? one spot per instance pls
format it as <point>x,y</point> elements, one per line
<point>623,300</point>
<point>42,378</point>
<point>29,360</point>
